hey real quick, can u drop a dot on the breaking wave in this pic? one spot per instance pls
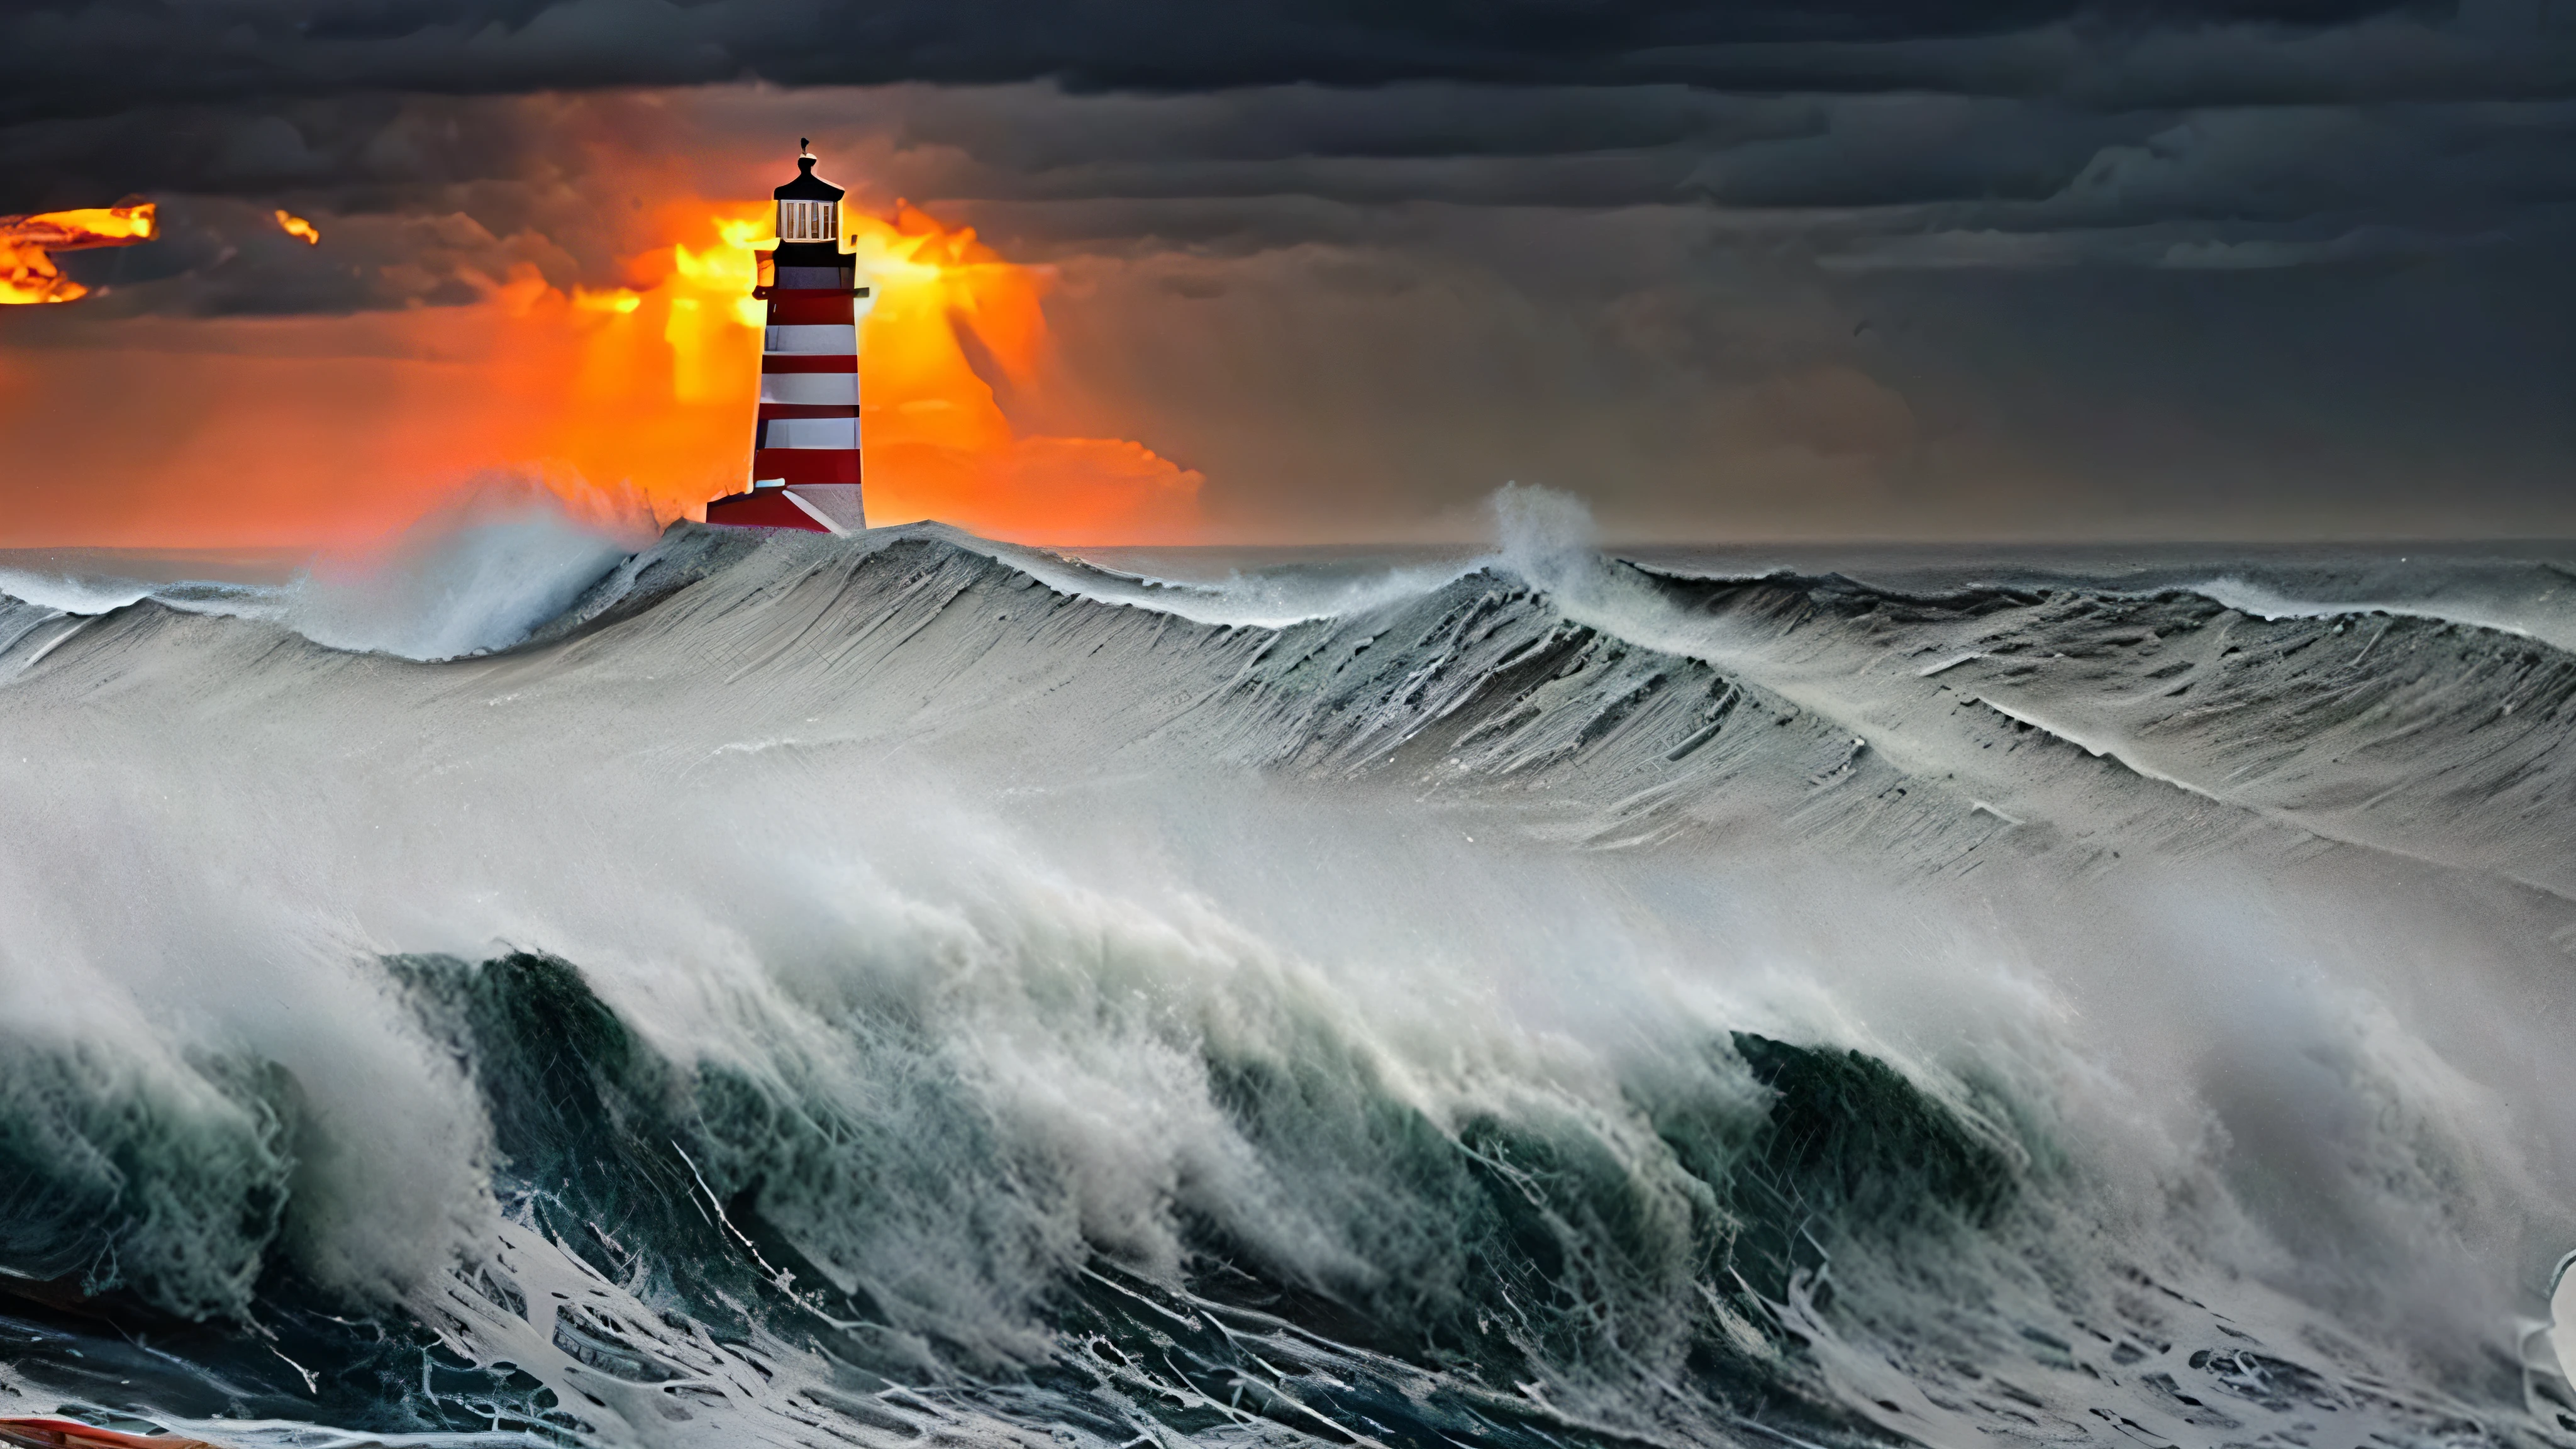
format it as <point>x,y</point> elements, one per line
<point>779,989</point>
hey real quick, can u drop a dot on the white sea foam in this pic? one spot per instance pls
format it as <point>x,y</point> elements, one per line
<point>2531,614</point>
<point>67,594</point>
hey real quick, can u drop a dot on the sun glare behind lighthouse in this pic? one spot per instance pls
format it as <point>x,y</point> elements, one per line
<point>946,318</point>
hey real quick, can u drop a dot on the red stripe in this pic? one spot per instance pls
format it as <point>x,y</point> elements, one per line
<point>807,410</point>
<point>762,508</point>
<point>807,309</point>
<point>808,362</point>
<point>806,465</point>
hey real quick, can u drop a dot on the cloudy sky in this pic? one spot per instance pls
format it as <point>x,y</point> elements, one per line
<point>1758,268</point>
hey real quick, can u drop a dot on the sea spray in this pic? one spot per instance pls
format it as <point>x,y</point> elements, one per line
<point>476,575</point>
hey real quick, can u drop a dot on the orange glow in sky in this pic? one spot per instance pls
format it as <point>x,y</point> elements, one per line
<point>333,430</point>
<point>27,270</point>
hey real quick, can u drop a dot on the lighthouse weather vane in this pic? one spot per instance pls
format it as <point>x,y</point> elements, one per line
<point>805,434</point>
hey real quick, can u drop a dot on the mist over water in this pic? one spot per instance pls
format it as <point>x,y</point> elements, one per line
<point>777,989</point>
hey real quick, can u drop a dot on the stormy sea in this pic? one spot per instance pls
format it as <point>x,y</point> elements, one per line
<point>741,988</point>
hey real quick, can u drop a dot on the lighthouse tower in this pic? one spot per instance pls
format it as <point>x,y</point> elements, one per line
<point>805,439</point>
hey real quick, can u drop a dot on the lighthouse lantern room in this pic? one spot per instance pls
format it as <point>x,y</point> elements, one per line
<point>805,437</point>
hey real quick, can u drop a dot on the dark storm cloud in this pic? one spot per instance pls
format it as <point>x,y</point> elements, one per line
<point>423,200</point>
<point>1880,181</point>
<point>82,57</point>
<point>1919,125</point>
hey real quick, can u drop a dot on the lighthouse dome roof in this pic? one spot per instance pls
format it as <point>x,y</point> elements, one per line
<point>807,186</point>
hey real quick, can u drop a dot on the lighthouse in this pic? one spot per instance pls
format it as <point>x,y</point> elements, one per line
<point>805,433</point>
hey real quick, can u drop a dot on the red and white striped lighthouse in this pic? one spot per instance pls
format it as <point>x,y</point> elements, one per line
<point>805,441</point>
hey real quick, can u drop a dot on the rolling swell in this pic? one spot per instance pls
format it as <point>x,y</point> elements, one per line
<point>1656,701</point>
<point>2395,730</point>
<point>1070,1162</point>
<point>1660,703</point>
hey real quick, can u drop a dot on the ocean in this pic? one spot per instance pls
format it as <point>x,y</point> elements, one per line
<point>735,988</point>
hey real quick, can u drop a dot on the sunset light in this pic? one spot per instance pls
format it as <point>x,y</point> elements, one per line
<point>27,270</point>
<point>635,397</point>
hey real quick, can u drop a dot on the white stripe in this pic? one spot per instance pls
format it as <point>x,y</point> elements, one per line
<point>810,433</point>
<point>837,339</point>
<point>843,503</point>
<point>833,389</point>
<point>816,514</point>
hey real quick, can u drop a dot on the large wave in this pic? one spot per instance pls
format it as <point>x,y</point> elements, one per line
<point>780,989</point>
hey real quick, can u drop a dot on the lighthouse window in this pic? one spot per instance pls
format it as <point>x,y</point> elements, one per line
<point>807,221</point>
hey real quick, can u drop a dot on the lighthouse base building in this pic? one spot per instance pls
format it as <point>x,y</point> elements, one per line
<point>805,436</point>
